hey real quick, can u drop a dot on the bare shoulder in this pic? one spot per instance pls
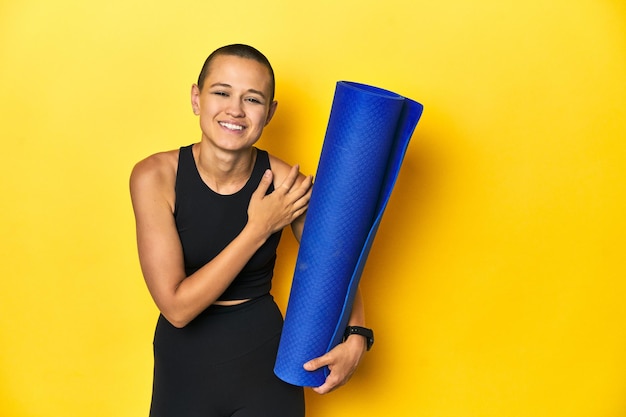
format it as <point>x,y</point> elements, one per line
<point>155,174</point>
<point>281,169</point>
<point>279,166</point>
<point>158,166</point>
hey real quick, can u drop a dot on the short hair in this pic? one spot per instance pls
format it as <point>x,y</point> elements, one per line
<point>243,51</point>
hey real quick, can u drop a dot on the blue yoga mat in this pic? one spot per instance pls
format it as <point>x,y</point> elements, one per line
<point>366,139</point>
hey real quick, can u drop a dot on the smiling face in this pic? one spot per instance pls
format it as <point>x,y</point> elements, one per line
<point>234,103</point>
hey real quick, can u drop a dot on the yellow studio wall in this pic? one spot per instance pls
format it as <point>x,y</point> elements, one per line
<point>496,282</point>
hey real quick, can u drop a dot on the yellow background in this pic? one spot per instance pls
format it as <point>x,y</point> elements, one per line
<point>496,283</point>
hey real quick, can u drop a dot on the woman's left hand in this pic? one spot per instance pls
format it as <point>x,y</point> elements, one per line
<point>342,361</point>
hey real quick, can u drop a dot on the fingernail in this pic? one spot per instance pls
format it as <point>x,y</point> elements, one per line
<point>268,173</point>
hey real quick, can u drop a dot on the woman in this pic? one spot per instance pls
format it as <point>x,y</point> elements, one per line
<point>209,218</point>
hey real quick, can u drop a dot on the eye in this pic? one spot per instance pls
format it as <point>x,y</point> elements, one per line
<point>254,100</point>
<point>220,93</point>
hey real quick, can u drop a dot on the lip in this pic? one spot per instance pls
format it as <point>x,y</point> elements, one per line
<point>232,126</point>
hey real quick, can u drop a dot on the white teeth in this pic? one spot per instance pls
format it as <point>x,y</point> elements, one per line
<point>231,126</point>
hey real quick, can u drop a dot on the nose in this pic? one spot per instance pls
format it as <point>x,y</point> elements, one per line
<point>235,108</point>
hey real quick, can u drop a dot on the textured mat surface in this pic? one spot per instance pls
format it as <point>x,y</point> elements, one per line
<point>366,139</point>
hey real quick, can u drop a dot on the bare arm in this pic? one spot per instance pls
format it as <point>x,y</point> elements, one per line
<point>181,298</point>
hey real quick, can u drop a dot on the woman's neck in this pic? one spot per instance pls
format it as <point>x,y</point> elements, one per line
<point>224,172</point>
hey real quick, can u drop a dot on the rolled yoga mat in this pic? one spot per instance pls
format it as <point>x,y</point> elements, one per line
<point>366,139</point>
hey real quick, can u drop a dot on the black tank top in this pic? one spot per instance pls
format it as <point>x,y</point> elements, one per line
<point>207,222</point>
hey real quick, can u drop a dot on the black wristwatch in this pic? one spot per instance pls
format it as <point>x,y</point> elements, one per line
<point>363,331</point>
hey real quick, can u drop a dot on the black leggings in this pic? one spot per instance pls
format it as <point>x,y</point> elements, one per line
<point>221,364</point>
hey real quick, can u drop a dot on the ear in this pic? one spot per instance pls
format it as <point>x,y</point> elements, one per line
<point>271,111</point>
<point>195,99</point>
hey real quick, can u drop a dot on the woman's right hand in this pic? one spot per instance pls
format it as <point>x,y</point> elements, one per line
<point>272,212</point>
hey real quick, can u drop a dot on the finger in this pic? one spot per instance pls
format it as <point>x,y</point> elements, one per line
<point>306,185</point>
<point>264,185</point>
<point>301,195</point>
<point>290,180</point>
<point>329,385</point>
<point>322,389</point>
<point>300,208</point>
<point>299,212</point>
<point>317,363</point>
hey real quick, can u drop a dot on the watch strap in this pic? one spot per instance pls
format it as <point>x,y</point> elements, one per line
<point>361,331</point>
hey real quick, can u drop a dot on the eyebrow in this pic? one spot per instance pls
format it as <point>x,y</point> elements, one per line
<point>250,90</point>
